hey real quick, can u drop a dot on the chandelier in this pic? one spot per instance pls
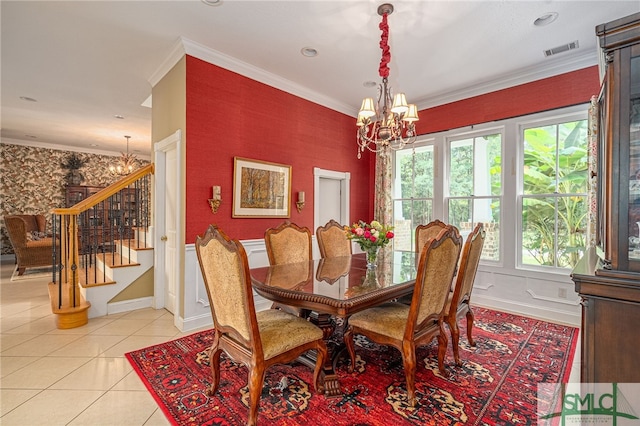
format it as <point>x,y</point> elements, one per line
<point>390,122</point>
<point>126,163</point>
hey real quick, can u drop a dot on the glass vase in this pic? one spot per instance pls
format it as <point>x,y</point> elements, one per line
<point>372,256</point>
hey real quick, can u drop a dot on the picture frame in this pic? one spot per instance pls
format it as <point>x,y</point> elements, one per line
<point>261,188</point>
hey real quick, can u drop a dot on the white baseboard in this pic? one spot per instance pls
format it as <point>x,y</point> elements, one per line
<point>129,305</point>
<point>545,314</point>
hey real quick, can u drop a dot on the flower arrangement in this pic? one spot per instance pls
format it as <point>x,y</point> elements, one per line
<point>370,237</point>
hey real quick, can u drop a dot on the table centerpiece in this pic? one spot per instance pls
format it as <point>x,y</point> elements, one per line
<point>370,237</point>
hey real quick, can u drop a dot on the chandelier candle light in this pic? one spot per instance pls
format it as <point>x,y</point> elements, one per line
<point>381,127</point>
<point>370,237</point>
<point>126,163</point>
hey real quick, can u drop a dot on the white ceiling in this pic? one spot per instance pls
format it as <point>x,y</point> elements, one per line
<point>87,61</point>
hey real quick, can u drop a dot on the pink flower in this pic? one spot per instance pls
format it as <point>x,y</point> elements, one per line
<point>359,231</point>
<point>367,234</point>
<point>389,235</point>
<point>372,238</point>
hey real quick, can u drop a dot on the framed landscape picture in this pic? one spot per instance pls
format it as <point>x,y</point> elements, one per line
<point>261,188</point>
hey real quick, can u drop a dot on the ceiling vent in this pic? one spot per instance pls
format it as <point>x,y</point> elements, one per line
<point>560,49</point>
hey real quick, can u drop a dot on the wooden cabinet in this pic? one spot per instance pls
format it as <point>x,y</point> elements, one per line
<point>608,278</point>
<point>112,219</point>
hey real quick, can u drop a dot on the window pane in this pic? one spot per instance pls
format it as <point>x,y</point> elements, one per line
<point>403,225</point>
<point>459,211</point>
<point>414,173</point>
<point>538,231</point>
<point>461,170</point>
<point>572,157</point>
<point>540,160</point>
<point>494,163</point>
<point>572,226</point>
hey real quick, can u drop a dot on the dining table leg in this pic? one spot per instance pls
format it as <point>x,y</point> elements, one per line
<point>333,330</point>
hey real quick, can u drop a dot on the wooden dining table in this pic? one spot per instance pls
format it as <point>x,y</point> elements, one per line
<point>329,290</point>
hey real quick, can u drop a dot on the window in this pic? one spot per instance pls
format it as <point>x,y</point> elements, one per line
<point>475,188</point>
<point>413,194</point>
<point>554,200</point>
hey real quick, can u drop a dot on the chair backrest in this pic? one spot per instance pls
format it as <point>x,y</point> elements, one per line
<point>426,232</point>
<point>288,243</point>
<point>332,240</point>
<point>436,268</point>
<point>225,270</point>
<point>18,225</point>
<point>469,260</point>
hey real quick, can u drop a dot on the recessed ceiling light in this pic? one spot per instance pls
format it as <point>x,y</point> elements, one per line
<point>93,144</point>
<point>212,2</point>
<point>28,99</point>
<point>309,52</point>
<point>31,136</point>
<point>369,84</point>
<point>546,19</point>
<point>119,117</point>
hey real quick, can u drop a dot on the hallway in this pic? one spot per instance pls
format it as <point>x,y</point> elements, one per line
<point>72,377</point>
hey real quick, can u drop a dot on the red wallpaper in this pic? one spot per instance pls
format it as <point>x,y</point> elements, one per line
<point>550,93</point>
<point>230,115</point>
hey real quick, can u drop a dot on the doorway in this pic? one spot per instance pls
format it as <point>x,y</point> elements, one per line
<point>168,235</point>
<point>331,195</point>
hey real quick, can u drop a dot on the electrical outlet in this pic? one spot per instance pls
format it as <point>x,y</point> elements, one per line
<point>562,293</point>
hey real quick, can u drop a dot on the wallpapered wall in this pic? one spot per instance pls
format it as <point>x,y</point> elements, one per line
<point>32,181</point>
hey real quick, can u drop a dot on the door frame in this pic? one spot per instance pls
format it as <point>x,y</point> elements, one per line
<point>345,180</point>
<point>161,148</point>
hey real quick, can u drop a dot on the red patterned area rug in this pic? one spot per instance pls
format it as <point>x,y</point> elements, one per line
<point>496,385</point>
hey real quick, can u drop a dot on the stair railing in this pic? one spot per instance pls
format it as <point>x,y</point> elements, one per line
<point>104,227</point>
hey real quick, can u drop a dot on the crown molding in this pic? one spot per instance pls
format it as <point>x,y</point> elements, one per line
<point>550,68</point>
<point>521,76</point>
<point>185,46</point>
<point>57,147</point>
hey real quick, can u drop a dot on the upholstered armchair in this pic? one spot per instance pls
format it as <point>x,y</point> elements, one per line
<point>32,246</point>
<point>256,339</point>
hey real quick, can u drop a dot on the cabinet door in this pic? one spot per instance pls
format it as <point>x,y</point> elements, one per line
<point>632,108</point>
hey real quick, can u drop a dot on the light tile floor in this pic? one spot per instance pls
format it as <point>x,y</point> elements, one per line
<point>78,376</point>
<point>72,377</point>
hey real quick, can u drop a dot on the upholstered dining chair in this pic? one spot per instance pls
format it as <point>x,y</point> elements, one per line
<point>332,240</point>
<point>426,232</point>
<point>458,304</point>
<point>256,339</point>
<point>406,327</point>
<point>288,243</point>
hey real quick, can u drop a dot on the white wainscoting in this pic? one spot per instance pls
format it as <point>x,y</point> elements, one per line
<point>522,292</point>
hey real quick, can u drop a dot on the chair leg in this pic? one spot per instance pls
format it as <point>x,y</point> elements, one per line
<point>348,341</point>
<point>256,381</point>
<point>470,320</point>
<point>21,271</point>
<point>455,339</point>
<point>409,363</point>
<point>442,350</point>
<point>321,356</point>
<point>214,360</point>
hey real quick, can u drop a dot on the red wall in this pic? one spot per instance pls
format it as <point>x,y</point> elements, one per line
<point>230,115</point>
<point>550,93</point>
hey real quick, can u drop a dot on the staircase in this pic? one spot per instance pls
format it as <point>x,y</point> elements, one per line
<point>104,246</point>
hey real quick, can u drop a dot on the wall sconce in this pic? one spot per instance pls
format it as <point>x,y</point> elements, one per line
<point>215,202</point>
<point>300,202</point>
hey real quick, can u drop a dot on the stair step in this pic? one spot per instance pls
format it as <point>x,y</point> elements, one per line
<point>116,260</point>
<point>134,244</point>
<point>92,277</point>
